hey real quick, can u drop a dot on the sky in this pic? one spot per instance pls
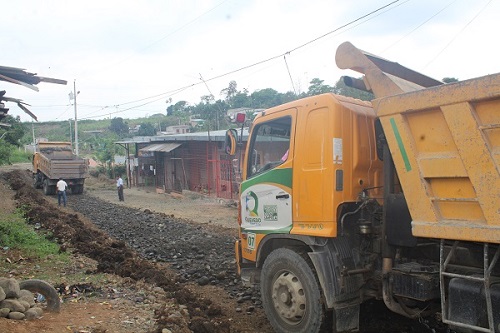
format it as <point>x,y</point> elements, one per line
<point>133,59</point>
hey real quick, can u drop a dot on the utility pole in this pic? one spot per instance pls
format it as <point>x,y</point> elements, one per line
<point>76,118</point>
<point>70,135</point>
<point>33,131</point>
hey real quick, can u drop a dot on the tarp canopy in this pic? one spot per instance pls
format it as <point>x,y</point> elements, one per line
<point>160,147</point>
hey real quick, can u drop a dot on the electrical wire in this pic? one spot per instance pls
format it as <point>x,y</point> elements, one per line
<point>289,74</point>
<point>420,25</point>
<point>273,57</point>
<point>178,90</point>
<point>165,36</point>
<point>457,34</point>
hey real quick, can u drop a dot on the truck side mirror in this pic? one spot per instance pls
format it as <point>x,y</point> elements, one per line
<point>231,141</point>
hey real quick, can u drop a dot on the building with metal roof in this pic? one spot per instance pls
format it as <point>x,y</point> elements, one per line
<point>188,161</point>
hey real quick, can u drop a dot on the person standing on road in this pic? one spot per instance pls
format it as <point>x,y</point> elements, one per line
<point>119,186</point>
<point>61,191</point>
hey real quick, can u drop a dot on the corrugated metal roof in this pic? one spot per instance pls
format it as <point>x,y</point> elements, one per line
<point>197,136</point>
<point>161,147</point>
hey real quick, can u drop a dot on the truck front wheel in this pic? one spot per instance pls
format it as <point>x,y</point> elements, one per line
<point>291,293</point>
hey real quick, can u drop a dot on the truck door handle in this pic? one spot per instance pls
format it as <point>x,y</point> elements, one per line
<point>282,196</point>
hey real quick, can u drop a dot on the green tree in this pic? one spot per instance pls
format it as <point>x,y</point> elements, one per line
<point>118,126</point>
<point>449,79</point>
<point>317,87</point>
<point>341,89</point>
<point>6,150</point>
<point>15,132</point>
<point>230,92</point>
<point>179,107</point>
<point>146,129</point>
<point>265,98</point>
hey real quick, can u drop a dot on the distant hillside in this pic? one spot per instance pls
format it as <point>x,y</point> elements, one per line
<point>88,130</point>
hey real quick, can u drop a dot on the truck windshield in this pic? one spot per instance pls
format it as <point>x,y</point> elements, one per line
<point>269,145</point>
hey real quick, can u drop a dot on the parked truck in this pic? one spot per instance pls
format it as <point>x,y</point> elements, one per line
<point>343,201</point>
<point>55,160</point>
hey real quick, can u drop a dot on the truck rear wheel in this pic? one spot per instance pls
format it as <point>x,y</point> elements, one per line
<point>77,189</point>
<point>46,187</point>
<point>291,293</point>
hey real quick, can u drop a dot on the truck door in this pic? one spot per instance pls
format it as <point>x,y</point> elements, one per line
<point>266,199</point>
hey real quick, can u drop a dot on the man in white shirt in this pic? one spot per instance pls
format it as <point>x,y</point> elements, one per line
<point>119,186</point>
<point>61,191</point>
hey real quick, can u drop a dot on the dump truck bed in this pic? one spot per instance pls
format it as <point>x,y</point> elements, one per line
<point>67,168</point>
<point>445,142</point>
<point>56,160</point>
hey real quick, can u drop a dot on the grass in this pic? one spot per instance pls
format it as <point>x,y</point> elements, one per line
<point>29,254</point>
<point>15,233</point>
<point>19,156</point>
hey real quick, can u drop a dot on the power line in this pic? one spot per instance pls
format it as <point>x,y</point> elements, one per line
<point>420,25</point>
<point>165,36</point>
<point>457,34</point>
<point>178,90</point>
<point>282,54</point>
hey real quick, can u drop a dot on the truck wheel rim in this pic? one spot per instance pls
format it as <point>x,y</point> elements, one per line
<point>289,298</point>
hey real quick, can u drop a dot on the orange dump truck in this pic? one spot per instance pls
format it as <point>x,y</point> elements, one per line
<point>54,160</point>
<point>343,201</point>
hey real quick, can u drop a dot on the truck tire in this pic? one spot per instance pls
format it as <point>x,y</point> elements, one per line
<point>78,189</point>
<point>46,187</point>
<point>49,292</point>
<point>291,293</point>
<point>36,184</point>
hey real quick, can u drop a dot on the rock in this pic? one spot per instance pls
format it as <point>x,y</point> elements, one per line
<point>158,290</point>
<point>16,315</point>
<point>33,313</point>
<point>25,304</point>
<point>10,287</point>
<point>203,281</point>
<point>2,294</point>
<point>27,296</point>
<point>13,305</point>
<point>166,330</point>
<point>243,299</point>
<point>38,310</point>
<point>4,312</point>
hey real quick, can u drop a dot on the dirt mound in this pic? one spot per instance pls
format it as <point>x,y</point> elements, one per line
<point>113,256</point>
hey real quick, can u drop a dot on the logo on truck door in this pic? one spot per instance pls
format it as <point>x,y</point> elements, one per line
<point>252,203</point>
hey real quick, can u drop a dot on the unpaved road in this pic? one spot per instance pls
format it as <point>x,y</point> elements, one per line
<point>134,239</point>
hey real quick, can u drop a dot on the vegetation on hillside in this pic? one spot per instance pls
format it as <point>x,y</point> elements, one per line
<point>97,137</point>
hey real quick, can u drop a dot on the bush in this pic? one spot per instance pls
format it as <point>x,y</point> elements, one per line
<point>6,150</point>
<point>19,156</point>
<point>121,169</point>
<point>110,173</point>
